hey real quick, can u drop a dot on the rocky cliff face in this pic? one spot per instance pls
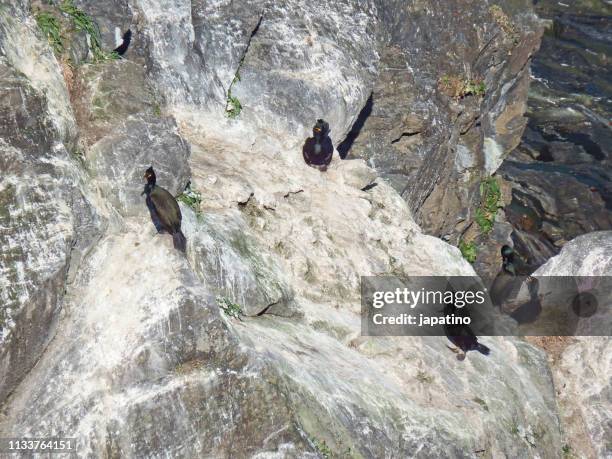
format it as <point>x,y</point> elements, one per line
<point>111,336</point>
<point>448,103</point>
<point>581,366</point>
<point>560,172</point>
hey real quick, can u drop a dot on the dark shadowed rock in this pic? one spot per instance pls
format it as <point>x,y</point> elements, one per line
<point>560,173</point>
<point>435,148</point>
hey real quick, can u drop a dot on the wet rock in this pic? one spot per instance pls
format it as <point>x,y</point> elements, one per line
<point>560,171</point>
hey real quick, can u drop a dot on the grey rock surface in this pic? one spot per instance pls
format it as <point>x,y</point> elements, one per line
<point>143,362</point>
<point>228,258</point>
<point>41,204</point>
<point>585,395</point>
<point>105,95</point>
<point>433,147</point>
<point>586,255</point>
<point>119,160</point>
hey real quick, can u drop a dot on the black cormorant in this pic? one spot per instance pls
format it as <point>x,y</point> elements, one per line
<point>122,48</point>
<point>318,149</point>
<point>461,335</point>
<point>507,287</point>
<point>507,254</point>
<point>164,209</point>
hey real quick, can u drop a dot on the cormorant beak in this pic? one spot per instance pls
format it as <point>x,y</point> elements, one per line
<point>317,129</point>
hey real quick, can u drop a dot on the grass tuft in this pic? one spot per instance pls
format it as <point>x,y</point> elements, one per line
<point>468,250</point>
<point>83,22</point>
<point>505,23</point>
<point>490,202</point>
<point>50,27</point>
<point>323,449</point>
<point>481,402</point>
<point>460,87</point>
<point>233,107</point>
<point>230,308</point>
<point>191,197</point>
<point>424,378</point>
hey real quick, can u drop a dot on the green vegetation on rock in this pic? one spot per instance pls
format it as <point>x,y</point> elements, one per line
<point>230,308</point>
<point>233,107</point>
<point>424,377</point>
<point>83,22</point>
<point>50,27</point>
<point>323,449</point>
<point>490,202</point>
<point>481,402</point>
<point>191,197</point>
<point>459,87</point>
<point>568,452</point>
<point>53,27</point>
<point>468,250</point>
<point>504,22</point>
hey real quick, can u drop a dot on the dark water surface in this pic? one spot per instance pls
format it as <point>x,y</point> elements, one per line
<point>561,171</point>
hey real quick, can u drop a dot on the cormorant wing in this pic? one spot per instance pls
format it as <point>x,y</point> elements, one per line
<point>167,208</point>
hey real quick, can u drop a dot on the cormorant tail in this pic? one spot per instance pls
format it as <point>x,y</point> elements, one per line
<point>482,349</point>
<point>180,243</point>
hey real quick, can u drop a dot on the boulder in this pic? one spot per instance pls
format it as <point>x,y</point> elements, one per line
<point>582,369</point>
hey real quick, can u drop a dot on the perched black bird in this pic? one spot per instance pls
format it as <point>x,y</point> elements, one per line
<point>122,48</point>
<point>506,288</point>
<point>507,254</point>
<point>506,285</point>
<point>164,210</point>
<point>462,335</point>
<point>318,149</point>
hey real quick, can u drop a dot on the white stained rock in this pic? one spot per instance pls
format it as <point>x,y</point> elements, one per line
<point>586,255</point>
<point>583,374</point>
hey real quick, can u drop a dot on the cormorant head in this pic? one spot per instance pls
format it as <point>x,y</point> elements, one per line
<point>507,252</point>
<point>320,129</point>
<point>149,176</point>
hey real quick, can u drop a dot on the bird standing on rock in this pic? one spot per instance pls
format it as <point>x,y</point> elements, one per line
<point>462,335</point>
<point>164,210</point>
<point>318,149</point>
<point>507,287</point>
